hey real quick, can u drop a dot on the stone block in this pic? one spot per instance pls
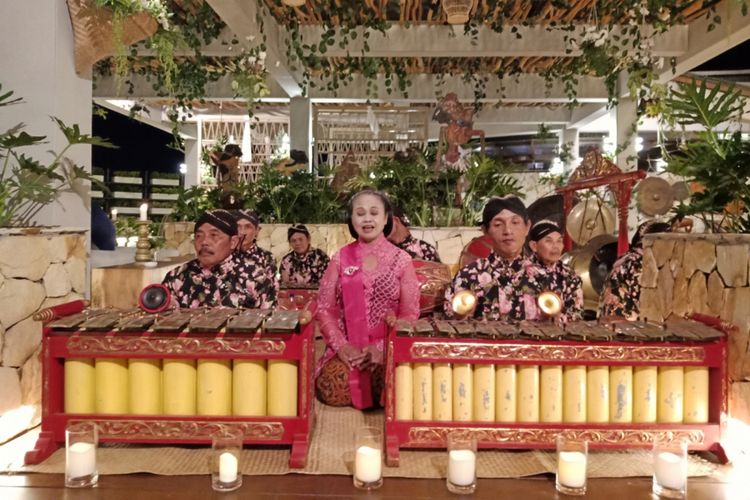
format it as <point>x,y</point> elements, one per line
<point>21,340</point>
<point>739,401</point>
<point>57,248</point>
<point>651,307</point>
<point>700,255</point>
<point>278,235</point>
<point>10,396</point>
<point>678,255</point>
<point>18,300</point>
<point>76,269</point>
<point>680,299</point>
<point>662,250</point>
<point>76,246</point>
<point>57,281</point>
<point>169,230</point>
<point>732,262</point>
<point>53,301</point>
<point>23,257</point>
<point>737,346</point>
<point>650,272</point>
<point>31,379</point>
<point>715,295</point>
<point>450,249</point>
<point>665,291</point>
<point>698,293</point>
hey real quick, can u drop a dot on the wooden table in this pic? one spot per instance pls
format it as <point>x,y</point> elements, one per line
<point>295,486</point>
<point>119,286</point>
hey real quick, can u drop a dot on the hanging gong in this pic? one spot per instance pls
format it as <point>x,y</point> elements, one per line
<point>654,196</point>
<point>680,190</point>
<point>592,263</point>
<point>590,218</point>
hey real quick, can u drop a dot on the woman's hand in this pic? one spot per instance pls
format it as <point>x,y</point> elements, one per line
<point>351,356</point>
<point>373,358</point>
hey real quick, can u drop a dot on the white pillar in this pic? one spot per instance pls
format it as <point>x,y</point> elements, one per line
<point>36,57</point>
<point>300,125</point>
<point>570,137</point>
<point>626,115</point>
<point>192,161</point>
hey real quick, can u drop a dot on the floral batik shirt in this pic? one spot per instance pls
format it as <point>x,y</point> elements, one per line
<point>419,249</point>
<point>304,269</point>
<point>537,277</point>
<point>621,295</point>
<point>492,280</point>
<point>231,283</point>
<point>262,261</point>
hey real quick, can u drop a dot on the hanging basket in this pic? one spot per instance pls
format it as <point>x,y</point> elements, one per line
<point>457,11</point>
<point>92,32</point>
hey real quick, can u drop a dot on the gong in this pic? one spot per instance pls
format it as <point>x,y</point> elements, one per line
<point>592,263</point>
<point>590,218</point>
<point>654,196</point>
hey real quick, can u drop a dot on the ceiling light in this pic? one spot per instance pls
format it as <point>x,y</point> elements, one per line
<point>294,3</point>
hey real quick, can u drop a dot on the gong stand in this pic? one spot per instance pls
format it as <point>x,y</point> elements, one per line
<point>621,185</point>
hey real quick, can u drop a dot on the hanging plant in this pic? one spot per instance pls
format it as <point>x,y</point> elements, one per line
<point>249,77</point>
<point>121,10</point>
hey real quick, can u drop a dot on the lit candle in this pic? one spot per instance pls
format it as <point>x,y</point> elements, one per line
<point>114,214</point>
<point>461,467</point>
<point>571,469</point>
<point>144,211</point>
<point>81,460</point>
<point>227,467</point>
<point>670,470</point>
<point>368,464</point>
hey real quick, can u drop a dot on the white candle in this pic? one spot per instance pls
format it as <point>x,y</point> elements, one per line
<point>80,460</point>
<point>571,469</point>
<point>114,214</point>
<point>461,467</point>
<point>368,464</point>
<point>227,467</point>
<point>144,211</point>
<point>670,470</point>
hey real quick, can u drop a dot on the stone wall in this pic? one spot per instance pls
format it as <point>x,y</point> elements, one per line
<point>708,274</point>
<point>36,271</point>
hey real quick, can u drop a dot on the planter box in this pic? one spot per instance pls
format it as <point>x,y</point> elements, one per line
<point>163,196</point>
<point>126,195</point>
<point>127,180</point>
<point>165,182</point>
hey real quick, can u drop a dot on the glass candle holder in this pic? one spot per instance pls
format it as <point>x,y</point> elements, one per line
<point>368,458</point>
<point>670,468</point>
<point>462,464</point>
<point>81,440</point>
<point>572,458</point>
<point>225,461</point>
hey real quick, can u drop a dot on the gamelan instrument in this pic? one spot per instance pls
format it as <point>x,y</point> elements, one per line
<point>617,385</point>
<point>179,377</point>
<point>654,196</point>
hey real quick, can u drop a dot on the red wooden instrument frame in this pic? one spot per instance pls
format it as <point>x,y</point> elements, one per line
<point>176,429</point>
<point>432,434</point>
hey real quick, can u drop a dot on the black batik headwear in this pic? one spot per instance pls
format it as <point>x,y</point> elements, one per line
<point>542,229</point>
<point>399,212</point>
<point>297,228</point>
<point>221,219</point>
<point>248,215</point>
<point>648,227</point>
<point>497,205</point>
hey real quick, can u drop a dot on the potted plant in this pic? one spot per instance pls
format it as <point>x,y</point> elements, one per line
<point>717,160</point>
<point>27,184</point>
